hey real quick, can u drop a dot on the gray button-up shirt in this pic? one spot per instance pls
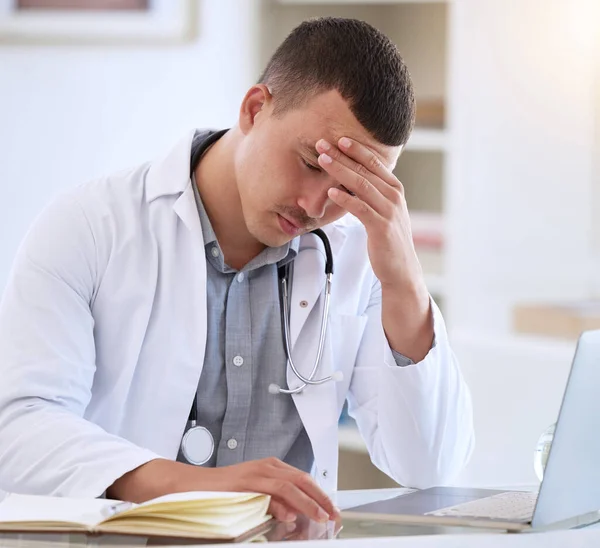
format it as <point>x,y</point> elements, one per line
<point>244,355</point>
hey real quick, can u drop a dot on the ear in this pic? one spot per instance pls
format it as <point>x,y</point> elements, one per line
<point>255,105</point>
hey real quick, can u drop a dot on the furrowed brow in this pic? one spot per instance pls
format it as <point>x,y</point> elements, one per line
<point>308,148</point>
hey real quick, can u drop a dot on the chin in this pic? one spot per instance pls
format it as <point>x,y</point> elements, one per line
<point>272,239</point>
<point>271,236</point>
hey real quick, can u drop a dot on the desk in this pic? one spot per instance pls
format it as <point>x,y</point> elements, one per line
<point>353,535</point>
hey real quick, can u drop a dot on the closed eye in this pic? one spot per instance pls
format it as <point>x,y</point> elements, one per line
<point>310,166</point>
<point>344,189</point>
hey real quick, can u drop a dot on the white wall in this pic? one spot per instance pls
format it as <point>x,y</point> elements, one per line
<point>524,109</point>
<point>520,214</point>
<point>595,270</point>
<point>71,113</point>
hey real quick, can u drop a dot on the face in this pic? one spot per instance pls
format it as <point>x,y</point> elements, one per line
<point>283,191</point>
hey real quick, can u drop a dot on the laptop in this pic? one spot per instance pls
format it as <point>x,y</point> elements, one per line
<point>569,495</point>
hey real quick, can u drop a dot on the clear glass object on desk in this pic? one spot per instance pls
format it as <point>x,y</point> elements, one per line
<point>542,450</point>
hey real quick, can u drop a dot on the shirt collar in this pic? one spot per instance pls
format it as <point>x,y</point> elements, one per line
<point>291,252</point>
<point>207,230</point>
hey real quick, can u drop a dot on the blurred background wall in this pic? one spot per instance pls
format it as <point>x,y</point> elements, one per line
<point>71,112</point>
<point>502,173</point>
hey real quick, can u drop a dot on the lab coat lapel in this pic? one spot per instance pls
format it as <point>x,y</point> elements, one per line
<point>166,179</point>
<point>316,404</point>
<point>309,276</point>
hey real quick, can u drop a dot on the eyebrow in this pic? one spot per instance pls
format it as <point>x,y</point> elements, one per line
<point>308,147</point>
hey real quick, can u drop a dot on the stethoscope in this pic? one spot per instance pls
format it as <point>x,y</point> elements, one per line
<point>284,275</point>
<point>198,444</point>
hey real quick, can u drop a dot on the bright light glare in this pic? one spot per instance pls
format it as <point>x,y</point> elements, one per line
<point>584,22</point>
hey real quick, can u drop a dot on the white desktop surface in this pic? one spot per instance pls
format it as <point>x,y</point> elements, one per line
<point>583,538</point>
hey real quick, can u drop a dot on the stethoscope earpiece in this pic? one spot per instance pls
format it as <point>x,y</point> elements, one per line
<point>337,376</point>
<point>274,388</point>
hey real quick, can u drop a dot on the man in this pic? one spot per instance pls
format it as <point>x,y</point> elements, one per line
<point>141,295</point>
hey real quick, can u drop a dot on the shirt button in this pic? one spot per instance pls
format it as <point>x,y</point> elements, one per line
<point>240,277</point>
<point>214,251</point>
<point>238,361</point>
<point>232,443</point>
<point>324,473</point>
<point>303,304</point>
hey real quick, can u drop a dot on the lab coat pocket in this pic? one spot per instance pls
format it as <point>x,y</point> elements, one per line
<point>346,332</point>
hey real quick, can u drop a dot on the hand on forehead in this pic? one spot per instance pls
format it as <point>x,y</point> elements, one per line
<point>388,156</point>
<point>329,117</point>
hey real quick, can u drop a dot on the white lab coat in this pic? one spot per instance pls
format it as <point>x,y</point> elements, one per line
<point>103,332</point>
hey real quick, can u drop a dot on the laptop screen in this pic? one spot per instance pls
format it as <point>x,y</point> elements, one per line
<point>571,484</point>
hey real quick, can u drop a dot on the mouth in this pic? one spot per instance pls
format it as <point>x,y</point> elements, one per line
<point>290,227</point>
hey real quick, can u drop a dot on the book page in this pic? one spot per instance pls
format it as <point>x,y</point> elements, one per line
<point>156,526</point>
<point>35,509</point>
<point>192,501</point>
<point>198,514</point>
<point>211,497</point>
<point>206,517</point>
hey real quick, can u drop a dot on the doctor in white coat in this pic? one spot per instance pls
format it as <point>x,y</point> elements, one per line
<point>103,324</point>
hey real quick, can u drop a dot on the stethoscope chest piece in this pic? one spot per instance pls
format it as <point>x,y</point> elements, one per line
<point>197,445</point>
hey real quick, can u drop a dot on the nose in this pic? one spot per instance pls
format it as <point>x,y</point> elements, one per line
<point>315,202</point>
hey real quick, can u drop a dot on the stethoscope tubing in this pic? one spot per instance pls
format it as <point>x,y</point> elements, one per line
<point>310,380</point>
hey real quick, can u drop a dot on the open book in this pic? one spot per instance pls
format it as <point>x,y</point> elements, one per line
<point>199,515</point>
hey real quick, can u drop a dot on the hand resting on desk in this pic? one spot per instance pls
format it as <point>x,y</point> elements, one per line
<point>292,491</point>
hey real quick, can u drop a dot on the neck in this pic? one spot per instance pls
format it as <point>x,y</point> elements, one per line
<point>216,180</point>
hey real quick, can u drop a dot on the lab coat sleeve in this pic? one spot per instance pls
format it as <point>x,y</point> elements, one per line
<point>417,421</point>
<point>47,366</point>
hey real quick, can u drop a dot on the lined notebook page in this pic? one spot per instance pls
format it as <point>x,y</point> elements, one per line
<point>32,508</point>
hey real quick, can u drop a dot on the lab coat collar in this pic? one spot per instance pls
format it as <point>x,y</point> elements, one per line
<point>171,174</point>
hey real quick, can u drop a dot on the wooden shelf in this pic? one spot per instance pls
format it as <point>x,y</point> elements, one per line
<point>564,320</point>
<point>350,439</point>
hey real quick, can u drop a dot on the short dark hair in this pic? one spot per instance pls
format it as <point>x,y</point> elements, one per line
<point>354,58</point>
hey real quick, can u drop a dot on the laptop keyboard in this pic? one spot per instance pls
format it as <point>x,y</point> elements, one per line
<point>509,506</point>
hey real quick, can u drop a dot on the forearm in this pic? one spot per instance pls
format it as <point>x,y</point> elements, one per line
<point>292,492</point>
<point>154,479</point>
<point>408,320</point>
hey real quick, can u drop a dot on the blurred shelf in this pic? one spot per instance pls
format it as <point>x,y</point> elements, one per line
<point>564,320</point>
<point>362,2</point>
<point>428,237</point>
<point>424,139</point>
<point>350,439</point>
<point>427,228</point>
